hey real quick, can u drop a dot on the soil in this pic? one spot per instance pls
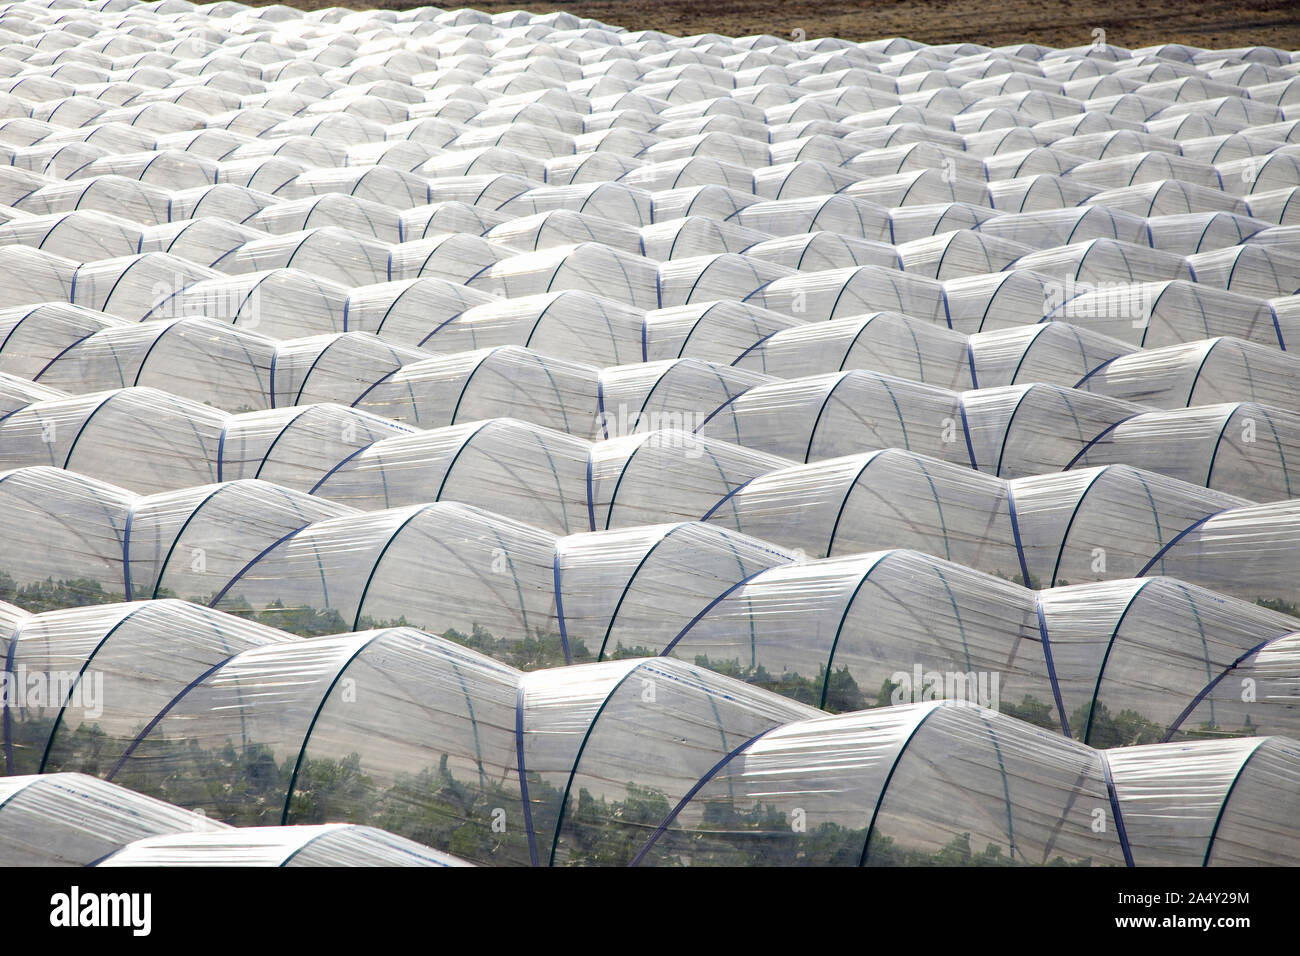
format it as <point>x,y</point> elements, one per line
<point>1213,24</point>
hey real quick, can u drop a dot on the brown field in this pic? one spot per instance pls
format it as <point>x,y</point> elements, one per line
<point>1216,24</point>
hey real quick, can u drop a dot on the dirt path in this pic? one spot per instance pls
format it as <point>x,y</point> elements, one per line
<point>1215,24</point>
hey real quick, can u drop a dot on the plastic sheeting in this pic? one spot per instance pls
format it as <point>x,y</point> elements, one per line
<point>325,845</point>
<point>801,363</point>
<point>541,755</point>
<point>834,633</point>
<point>71,819</point>
<point>149,440</point>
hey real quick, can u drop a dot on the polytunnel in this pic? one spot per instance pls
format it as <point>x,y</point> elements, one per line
<point>518,470</point>
<point>1056,353</point>
<point>461,159</point>
<point>406,312</point>
<point>1019,430</point>
<point>16,393</point>
<point>36,277</point>
<point>1283,236</point>
<point>689,171</point>
<point>1169,197</point>
<point>713,202</point>
<point>469,386</point>
<point>488,412</point>
<point>1152,315</point>
<point>1008,162</point>
<point>1219,802</point>
<point>651,476</point>
<point>1242,447</point>
<point>1106,261</point>
<point>802,179</point>
<point>70,529</point>
<point>464,704</point>
<point>1104,522</point>
<point>36,335</point>
<point>1277,205</point>
<point>445,568</point>
<point>132,287</point>
<point>1245,550</point>
<point>1084,524</point>
<point>334,368</point>
<point>887,342</point>
<point>878,801</point>
<point>484,193</point>
<point>455,257</point>
<point>1008,299</point>
<point>837,633</point>
<point>1135,658</point>
<point>206,241</point>
<point>585,267</point>
<point>106,541</point>
<point>571,324</point>
<point>1203,232</point>
<point>553,764</point>
<point>348,213</point>
<point>1039,191</point>
<point>382,184</point>
<point>185,443</point>
<point>1099,662</point>
<point>826,416</point>
<point>715,277</point>
<point>450,216</point>
<point>837,293</point>
<point>721,331</point>
<point>141,535</point>
<point>855,218</point>
<point>492,746</point>
<point>912,156</point>
<point>695,236</point>
<point>335,844</point>
<point>143,651</point>
<point>298,444</point>
<point>73,819</point>
<point>226,201</point>
<point>498,145</point>
<point>81,236</point>
<point>918,188</point>
<point>131,199</point>
<point>171,168</point>
<point>880,499</point>
<point>821,251</point>
<point>613,585</point>
<point>145,439</point>
<point>198,358</point>
<point>1008,431</point>
<point>950,255</point>
<point>290,303</point>
<point>738,150</point>
<point>613,201</point>
<point>1153,166</point>
<point>1249,269</point>
<point>325,251</point>
<point>1061,227</point>
<point>682,394</point>
<point>561,227</point>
